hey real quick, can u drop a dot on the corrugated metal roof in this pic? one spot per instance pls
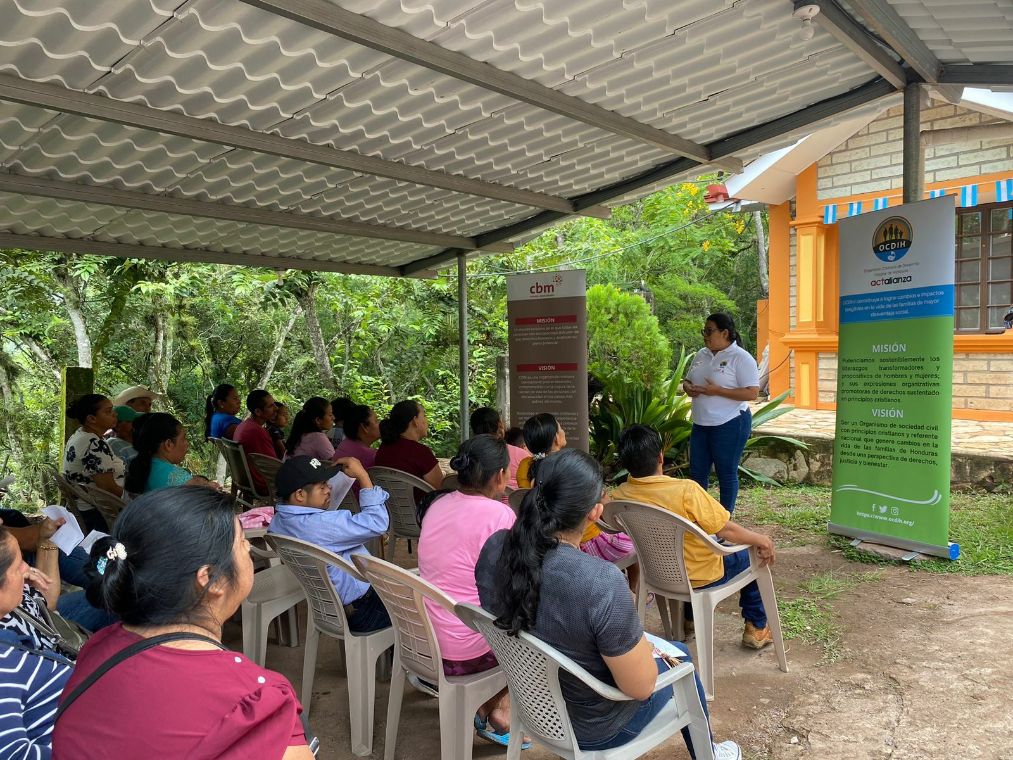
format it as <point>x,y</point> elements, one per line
<point>702,69</point>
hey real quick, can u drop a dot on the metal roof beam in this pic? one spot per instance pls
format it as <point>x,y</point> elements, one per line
<point>824,109</point>
<point>330,18</point>
<point>895,31</point>
<point>190,255</point>
<point>45,95</point>
<point>843,28</point>
<point>978,75</point>
<point>70,191</point>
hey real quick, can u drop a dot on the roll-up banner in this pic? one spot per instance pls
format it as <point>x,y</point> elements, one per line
<point>891,470</point>
<point>547,315</point>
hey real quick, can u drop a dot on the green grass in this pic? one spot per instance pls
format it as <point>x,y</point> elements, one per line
<point>807,619</point>
<point>833,583</point>
<point>982,523</point>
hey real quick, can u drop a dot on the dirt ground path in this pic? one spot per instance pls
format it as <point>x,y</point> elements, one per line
<point>923,668</point>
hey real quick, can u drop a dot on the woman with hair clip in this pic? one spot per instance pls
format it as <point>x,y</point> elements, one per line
<point>220,410</point>
<point>176,566</point>
<point>400,447</point>
<point>309,430</point>
<point>161,448</point>
<point>534,578</point>
<point>455,527</point>
<point>543,435</point>
<point>722,380</point>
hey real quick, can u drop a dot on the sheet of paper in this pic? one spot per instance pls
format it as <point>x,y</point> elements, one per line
<point>90,540</point>
<point>665,646</point>
<point>340,484</point>
<point>69,535</point>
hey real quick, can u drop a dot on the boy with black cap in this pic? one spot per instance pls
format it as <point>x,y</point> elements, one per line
<point>304,497</point>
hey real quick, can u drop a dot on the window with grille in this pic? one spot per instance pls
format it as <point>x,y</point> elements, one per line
<point>984,275</point>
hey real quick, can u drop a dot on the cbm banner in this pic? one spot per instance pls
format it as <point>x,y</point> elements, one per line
<point>891,478</point>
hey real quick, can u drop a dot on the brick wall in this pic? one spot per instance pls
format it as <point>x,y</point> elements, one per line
<point>871,161</point>
<point>980,381</point>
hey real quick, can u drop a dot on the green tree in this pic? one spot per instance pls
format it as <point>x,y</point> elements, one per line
<point>624,338</point>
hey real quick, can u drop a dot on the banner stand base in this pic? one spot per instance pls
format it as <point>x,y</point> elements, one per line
<point>912,550</point>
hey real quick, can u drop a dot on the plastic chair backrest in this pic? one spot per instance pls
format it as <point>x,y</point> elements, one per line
<point>401,504</point>
<point>450,482</point>
<point>239,468</point>
<point>404,594</point>
<point>532,671</point>
<point>308,563</point>
<point>516,497</point>
<point>70,496</point>
<point>109,505</point>
<point>658,537</point>
<point>268,468</point>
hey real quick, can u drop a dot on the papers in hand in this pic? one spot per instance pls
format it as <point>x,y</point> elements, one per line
<point>69,534</point>
<point>663,646</point>
<point>90,540</point>
<point>340,485</point>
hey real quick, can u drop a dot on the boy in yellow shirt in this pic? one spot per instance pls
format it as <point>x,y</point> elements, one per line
<point>640,453</point>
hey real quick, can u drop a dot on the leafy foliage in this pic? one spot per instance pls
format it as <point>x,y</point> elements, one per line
<point>624,338</point>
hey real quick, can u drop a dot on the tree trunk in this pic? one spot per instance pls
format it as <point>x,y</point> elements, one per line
<point>761,251</point>
<point>43,356</point>
<point>6,388</point>
<point>161,363</point>
<point>279,344</point>
<point>74,303</point>
<point>308,302</point>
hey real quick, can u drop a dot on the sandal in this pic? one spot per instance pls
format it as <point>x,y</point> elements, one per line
<point>486,730</point>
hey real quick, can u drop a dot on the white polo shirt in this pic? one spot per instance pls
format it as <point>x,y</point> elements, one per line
<point>731,367</point>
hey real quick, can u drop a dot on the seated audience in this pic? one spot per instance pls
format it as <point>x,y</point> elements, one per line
<point>640,453</point>
<point>543,435</point>
<point>534,578</point>
<point>161,448</point>
<point>339,408</point>
<point>400,449</point>
<point>176,566</point>
<point>515,437</point>
<point>87,458</point>
<point>304,497</point>
<point>220,410</point>
<point>34,673</point>
<point>309,430</point>
<point>252,433</point>
<point>121,442</point>
<point>362,430</point>
<point>486,420</point>
<point>276,429</point>
<point>137,397</point>
<point>455,526</point>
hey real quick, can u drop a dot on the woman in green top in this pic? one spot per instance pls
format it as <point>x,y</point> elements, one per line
<point>161,447</point>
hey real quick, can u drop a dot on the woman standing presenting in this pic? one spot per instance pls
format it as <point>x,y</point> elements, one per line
<point>721,381</point>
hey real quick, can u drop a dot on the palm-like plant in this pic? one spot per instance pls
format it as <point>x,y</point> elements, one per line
<point>769,411</point>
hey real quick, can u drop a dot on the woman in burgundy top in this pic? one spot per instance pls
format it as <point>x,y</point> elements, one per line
<point>177,562</point>
<point>399,448</point>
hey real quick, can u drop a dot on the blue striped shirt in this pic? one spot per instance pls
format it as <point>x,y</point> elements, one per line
<point>30,688</point>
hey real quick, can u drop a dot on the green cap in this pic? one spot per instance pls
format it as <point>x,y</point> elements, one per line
<point>125,414</point>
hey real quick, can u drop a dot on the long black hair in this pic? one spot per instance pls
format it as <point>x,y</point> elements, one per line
<point>158,428</point>
<point>724,321</point>
<point>539,433</point>
<point>85,407</point>
<point>218,395</point>
<point>477,462</point>
<point>569,485</point>
<point>398,420</point>
<point>355,417</point>
<point>485,419</point>
<point>167,536</point>
<point>306,420</point>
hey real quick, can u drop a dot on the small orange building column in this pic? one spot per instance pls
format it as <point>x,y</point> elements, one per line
<point>779,307</point>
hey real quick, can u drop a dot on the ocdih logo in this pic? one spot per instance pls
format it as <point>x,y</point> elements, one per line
<point>892,239</point>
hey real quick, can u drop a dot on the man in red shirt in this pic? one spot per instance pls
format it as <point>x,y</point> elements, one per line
<point>252,433</point>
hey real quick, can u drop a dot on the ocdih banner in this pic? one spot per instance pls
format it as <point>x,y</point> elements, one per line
<point>891,478</point>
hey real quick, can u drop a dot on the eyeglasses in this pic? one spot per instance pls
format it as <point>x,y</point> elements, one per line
<point>708,330</point>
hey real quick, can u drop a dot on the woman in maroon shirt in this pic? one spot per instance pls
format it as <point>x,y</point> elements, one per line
<point>399,443</point>
<point>176,563</point>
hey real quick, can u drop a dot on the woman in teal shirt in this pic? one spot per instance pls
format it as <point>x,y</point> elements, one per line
<point>161,448</point>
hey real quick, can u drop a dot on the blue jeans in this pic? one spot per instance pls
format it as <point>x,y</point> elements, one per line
<point>749,596</point>
<point>76,607</point>
<point>649,710</point>
<point>370,614</point>
<point>720,446</point>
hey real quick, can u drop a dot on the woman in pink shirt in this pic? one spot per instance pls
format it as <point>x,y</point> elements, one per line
<point>487,420</point>
<point>362,430</point>
<point>309,431</point>
<point>455,526</point>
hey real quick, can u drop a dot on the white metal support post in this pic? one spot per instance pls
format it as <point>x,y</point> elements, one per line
<point>914,156</point>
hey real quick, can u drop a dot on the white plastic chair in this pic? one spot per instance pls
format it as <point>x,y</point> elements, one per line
<point>417,651</point>
<point>537,707</point>
<point>108,504</point>
<point>658,536</point>
<point>268,468</point>
<point>451,482</point>
<point>401,504</point>
<point>275,591</point>
<point>515,498</point>
<point>309,564</point>
<point>244,489</point>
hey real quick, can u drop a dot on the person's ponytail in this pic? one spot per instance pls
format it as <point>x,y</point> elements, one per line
<point>305,421</point>
<point>724,321</point>
<point>158,428</point>
<point>395,423</point>
<point>217,396</point>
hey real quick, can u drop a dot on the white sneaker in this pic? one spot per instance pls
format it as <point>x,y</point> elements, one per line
<point>727,750</point>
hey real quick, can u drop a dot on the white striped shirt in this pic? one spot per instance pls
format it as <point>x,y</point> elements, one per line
<point>30,688</point>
